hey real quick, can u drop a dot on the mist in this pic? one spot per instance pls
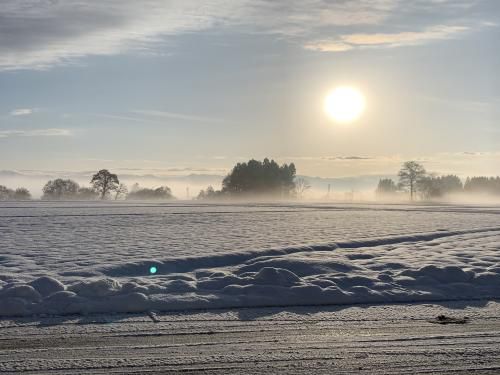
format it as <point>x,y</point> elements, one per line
<point>358,189</point>
<point>182,186</point>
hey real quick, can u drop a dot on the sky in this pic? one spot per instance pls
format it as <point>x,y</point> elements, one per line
<point>181,86</point>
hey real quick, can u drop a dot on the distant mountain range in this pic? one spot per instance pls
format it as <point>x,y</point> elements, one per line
<point>88,174</point>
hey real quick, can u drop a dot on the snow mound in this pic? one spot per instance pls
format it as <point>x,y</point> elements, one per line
<point>47,285</point>
<point>276,276</point>
<point>96,288</point>
<point>448,274</point>
<point>424,267</point>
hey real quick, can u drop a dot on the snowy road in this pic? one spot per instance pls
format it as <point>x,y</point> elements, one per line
<point>313,340</point>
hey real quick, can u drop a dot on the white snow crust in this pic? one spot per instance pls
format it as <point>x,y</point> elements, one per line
<point>81,258</point>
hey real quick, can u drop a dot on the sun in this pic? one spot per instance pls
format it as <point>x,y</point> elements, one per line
<point>344,104</point>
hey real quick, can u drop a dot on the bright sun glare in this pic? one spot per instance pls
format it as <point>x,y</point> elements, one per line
<point>344,104</point>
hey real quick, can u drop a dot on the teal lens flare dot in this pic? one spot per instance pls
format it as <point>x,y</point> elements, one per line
<point>153,270</point>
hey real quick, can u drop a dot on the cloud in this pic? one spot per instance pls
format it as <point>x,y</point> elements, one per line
<point>172,169</point>
<point>303,17</point>
<point>155,117</point>
<point>328,46</point>
<point>406,38</point>
<point>53,132</point>
<point>348,158</point>
<point>175,116</point>
<point>22,112</point>
<point>123,118</point>
<point>465,105</point>
<point>39,34</point>
<point>334,158</point>
<point>42,33</point>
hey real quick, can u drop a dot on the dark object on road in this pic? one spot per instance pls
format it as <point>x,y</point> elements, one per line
<point>443,319</point>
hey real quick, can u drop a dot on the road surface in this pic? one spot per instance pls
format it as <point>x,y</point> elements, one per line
<point>389,339</point>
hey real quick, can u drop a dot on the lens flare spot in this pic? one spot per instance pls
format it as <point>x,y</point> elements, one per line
<point>153,270</point>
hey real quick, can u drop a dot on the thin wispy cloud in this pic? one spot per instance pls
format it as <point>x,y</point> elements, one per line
<point>174,115</point>
<point>155,117</point>
<point>144,170</point>
<point>470,105</point>
<point>295,18</point>
<point>340,158</point>
<point>44,33</point>
<point>53,132</point>
<point>124,118</point>
<point>22,111</point>
<point>343,158</point>
<point>405,38</point>
<point>408,38</point>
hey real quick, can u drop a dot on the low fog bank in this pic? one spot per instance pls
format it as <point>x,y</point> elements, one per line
<point>453,198</point>
<point>186,187</point>
<point>354,189</point>
<point>469,198</point>
<point>182,186</point>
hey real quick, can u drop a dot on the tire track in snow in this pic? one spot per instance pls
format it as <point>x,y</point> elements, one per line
<point>190,264</point>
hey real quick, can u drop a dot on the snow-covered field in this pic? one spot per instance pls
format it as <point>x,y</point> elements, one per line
<point>66,258</point>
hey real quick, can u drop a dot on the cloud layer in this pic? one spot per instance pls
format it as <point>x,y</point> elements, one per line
<point>38,34</point>
<point>406,38</point>
<point>53,132</point>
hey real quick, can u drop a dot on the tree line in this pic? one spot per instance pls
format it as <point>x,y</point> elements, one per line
<point>259,178</point>
<point>103,185</point>
<point>415,181</point>
<point>19,194</point>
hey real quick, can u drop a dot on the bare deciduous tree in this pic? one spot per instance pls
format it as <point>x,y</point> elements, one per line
<point>409,176</point>
<point>301,186</point>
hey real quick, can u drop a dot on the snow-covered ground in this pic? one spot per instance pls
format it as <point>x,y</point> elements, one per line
<point>66,258</point>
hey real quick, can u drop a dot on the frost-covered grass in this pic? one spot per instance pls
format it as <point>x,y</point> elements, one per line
<point>64,258</point>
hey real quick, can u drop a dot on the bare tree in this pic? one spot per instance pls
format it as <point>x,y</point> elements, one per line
<point>410,175</point>
<point>104,182</point>
<point>301,185</point>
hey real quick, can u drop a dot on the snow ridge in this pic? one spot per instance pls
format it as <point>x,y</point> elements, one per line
<point>436,266</point>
